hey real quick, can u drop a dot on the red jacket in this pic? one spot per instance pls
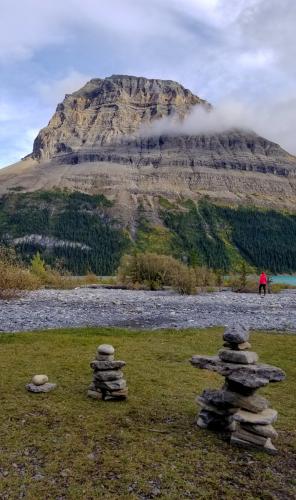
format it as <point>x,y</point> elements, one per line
<point>263,279</point>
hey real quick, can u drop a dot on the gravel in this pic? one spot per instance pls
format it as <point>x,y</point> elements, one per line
<point>44,309</point>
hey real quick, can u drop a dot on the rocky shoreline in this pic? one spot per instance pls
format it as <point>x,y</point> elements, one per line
<point>43,309</point>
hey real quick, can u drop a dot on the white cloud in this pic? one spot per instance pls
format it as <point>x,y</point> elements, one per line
<point>276,122</point>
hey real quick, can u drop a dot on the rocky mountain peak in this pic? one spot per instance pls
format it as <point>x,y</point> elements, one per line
<point>105,110</point>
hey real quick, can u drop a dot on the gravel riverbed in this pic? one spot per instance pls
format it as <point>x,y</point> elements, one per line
<point>142,309</point>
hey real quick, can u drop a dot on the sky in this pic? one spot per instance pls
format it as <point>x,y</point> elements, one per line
<point>240,55</point>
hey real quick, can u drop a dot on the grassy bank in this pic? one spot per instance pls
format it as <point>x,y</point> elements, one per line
<point>62,445</point>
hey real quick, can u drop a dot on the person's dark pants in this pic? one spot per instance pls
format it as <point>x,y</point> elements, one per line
<point>260,288</point>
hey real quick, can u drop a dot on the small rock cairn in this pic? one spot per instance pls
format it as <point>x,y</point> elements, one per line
<point>40,383</point>
<point>235,407</point>
<point>108,382</point>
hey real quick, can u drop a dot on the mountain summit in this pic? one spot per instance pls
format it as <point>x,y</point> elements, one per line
<point>92,144</point>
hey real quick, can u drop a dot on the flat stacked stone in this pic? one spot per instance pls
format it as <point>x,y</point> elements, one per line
<point>40,383</point>
<point>235,407</point>
<point>108,382</point>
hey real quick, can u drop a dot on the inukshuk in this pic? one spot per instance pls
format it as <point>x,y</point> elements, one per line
<point>235,407</point>
<point>108,382</point>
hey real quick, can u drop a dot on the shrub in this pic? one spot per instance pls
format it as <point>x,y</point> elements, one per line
<point>13,277</point>
<point>155,271</point>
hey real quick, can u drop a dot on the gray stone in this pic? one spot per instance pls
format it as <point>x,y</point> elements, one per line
<point>236,334</point>
<point>115,395</point>
<point>224,399</point>
<point>106,349</point>
<point>238,347</point>
<point>251,376</point>
<point>265,417</point>
<point>39,379</point>
<point>116,385</point>
<point>97,394</point>
<point>248,436</point>
<point>47,387</point>
<point>105,357</point>
<point>108,375</point>
<point>263,430</point>
<point>268,447</point>
<point>214,409</point>
<point>241,357</point>
<point>211,420</point>
<point>107,365</point>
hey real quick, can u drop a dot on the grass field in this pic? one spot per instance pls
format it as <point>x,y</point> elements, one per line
<point>62,445</point>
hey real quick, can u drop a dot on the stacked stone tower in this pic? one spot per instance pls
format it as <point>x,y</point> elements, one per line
<point>235,407</point>
<point>108,382</point>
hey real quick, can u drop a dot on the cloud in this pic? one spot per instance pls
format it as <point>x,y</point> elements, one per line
<point>276,123</point>
<point>223,50</point>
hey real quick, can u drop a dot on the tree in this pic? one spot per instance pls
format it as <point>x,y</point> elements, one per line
<point>38,266</point>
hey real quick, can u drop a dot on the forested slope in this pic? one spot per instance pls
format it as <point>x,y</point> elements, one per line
<point>78,232</point>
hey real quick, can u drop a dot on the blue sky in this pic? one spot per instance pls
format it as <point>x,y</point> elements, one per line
<point>241,52</point>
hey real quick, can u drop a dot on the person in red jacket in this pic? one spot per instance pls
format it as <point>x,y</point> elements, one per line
<point>262,283</point>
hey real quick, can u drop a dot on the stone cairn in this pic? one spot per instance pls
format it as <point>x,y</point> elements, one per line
<point>108,382</point>
<point>235,408</point>
<point>40,383</point>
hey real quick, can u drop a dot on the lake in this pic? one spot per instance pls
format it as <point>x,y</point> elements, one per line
<point>286,279</point>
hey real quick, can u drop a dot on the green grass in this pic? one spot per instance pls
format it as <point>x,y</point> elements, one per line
<point>63,445</point>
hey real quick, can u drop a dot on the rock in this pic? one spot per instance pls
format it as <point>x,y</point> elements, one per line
<point>238,347</point>
<point>243,357</point>
<point>263,430</point>
<point>225,399</point>
<point>268,447</point>
<point>236,334</point>
<point>107,365</point>
<point>251,376</point>
<point>116,385</point>
<point>211,420</point>
<point>105,357</point>
<point>97,394</point>
<point>47,387</point>
<point>121,393</point>
<point>265,417</point>
<point>39,379</point>
<point>106,349</point>
<point>108,375</point>
<point>214,409</point>
<point>248,436</point>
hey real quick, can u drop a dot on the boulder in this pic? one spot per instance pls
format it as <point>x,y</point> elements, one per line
<point>268,447</point>
<point>97,394</point>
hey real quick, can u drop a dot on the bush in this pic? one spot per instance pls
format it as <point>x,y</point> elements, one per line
<point>13,277</point>
<point>155,271</point>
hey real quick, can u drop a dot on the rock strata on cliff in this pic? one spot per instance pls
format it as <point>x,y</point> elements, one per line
<point>95,143</point>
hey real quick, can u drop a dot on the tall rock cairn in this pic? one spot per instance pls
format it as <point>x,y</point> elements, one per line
<point>235,407</point>
<point>108,382</point>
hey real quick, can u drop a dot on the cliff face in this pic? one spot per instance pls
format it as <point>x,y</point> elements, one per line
<point>104,111</point>
<point>92,144</point>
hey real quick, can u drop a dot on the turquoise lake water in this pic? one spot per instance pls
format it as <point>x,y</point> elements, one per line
<point>286,279</point>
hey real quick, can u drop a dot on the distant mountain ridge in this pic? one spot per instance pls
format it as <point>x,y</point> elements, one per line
<point>92,144</point>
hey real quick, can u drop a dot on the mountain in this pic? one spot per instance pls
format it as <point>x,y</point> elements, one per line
<point>145,190</point>
<point>92,144</point>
